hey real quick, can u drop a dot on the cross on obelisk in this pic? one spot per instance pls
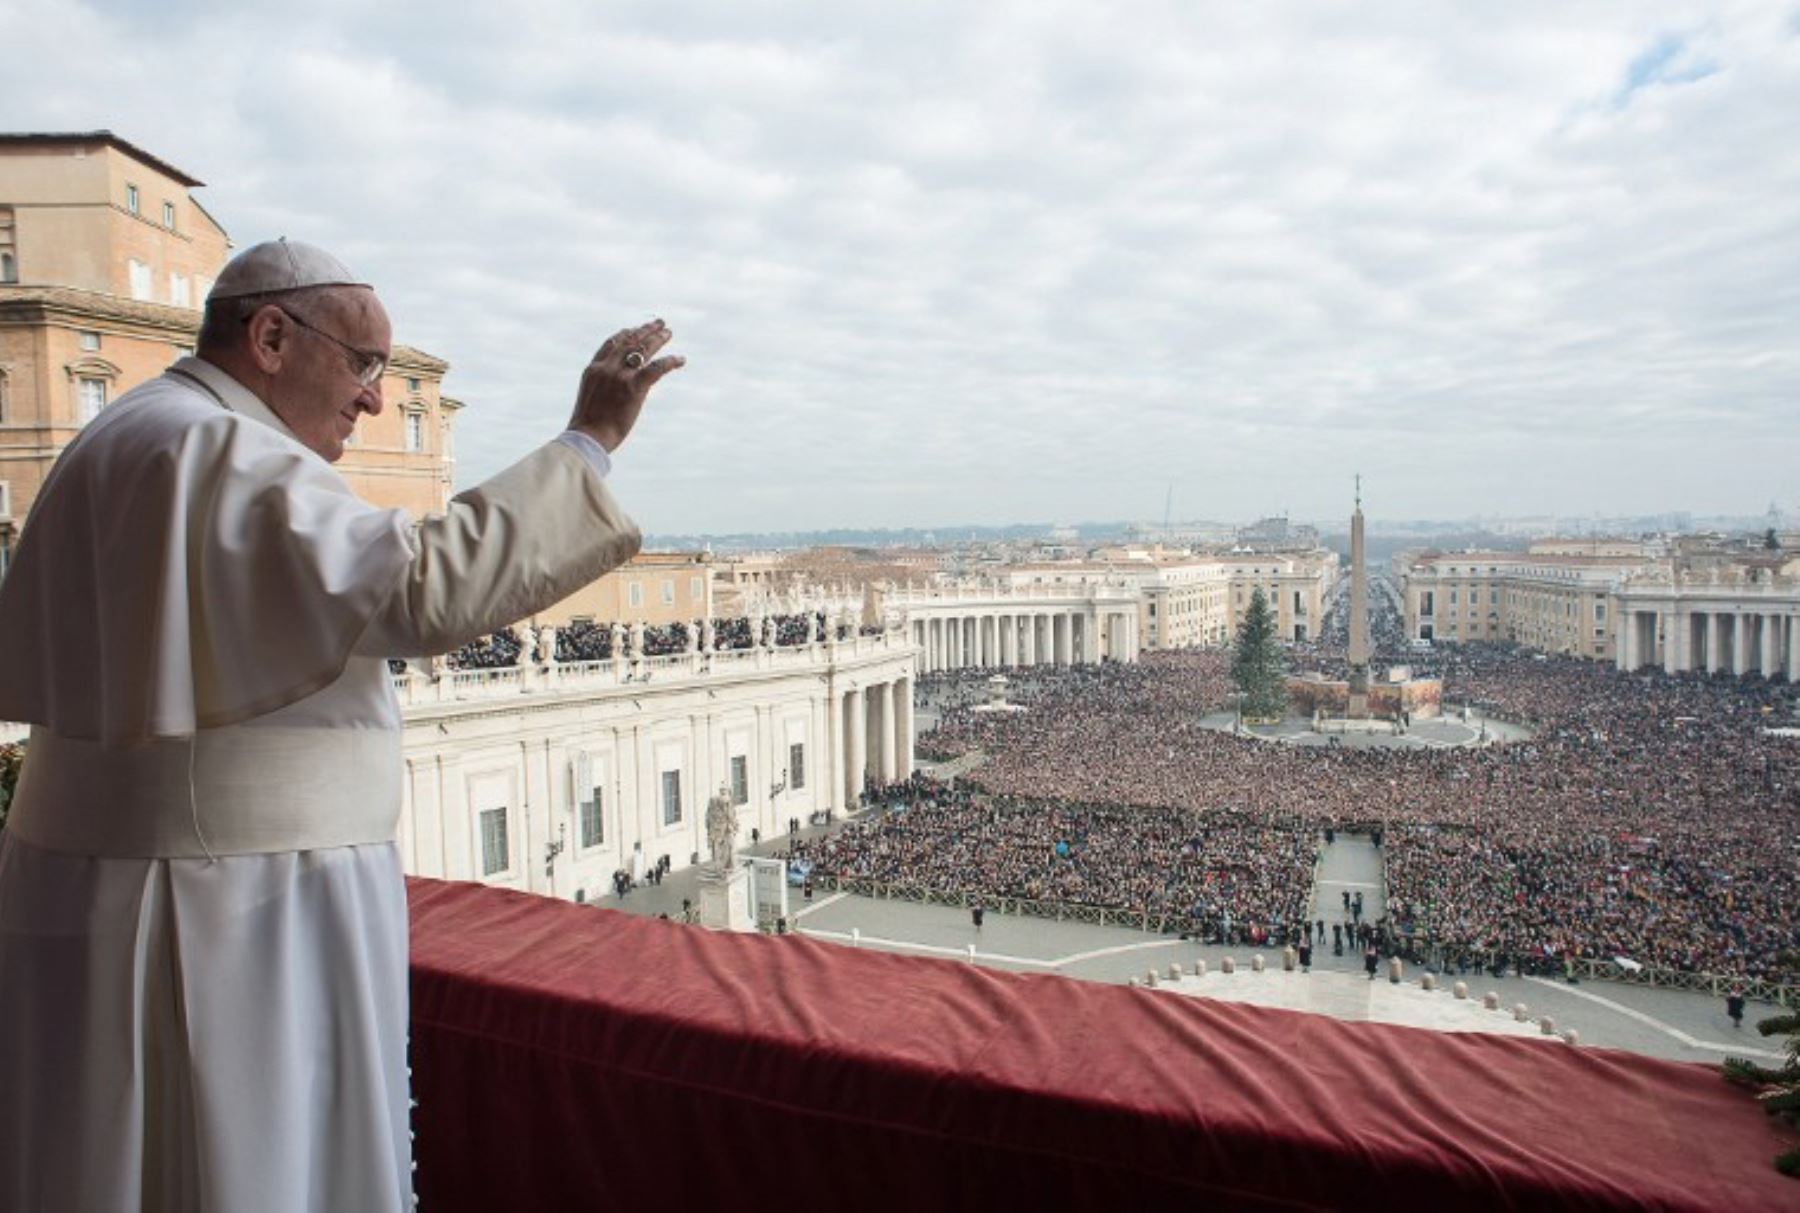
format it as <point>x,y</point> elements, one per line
<point>1359,615</point>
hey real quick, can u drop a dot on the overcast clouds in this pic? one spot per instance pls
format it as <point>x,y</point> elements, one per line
<point>995,262</point>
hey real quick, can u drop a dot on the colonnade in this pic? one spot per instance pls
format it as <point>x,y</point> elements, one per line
<point>1010,638</point>
<point>874,734</point>
<point>1731,640</point>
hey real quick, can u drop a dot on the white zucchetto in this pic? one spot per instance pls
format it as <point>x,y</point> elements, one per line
<point>280,265</point>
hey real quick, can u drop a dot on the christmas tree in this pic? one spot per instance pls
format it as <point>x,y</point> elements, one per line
<point>1778,1088</point>
<point>1256,662</point>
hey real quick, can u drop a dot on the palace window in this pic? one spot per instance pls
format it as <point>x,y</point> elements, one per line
<point>740,779</point>
<point>668,591</point>
<point>593,826</point>
<point>139,274</point>
<point>169,215</point>
<point>90,340</point>
<point>91,398</point>
<point>9,268</point>
<point>634,594</point>
<point>797,766</point>
<point>671,798</point>
<point>696,589</point>
<point>415,431</point>
<point>131,199</point>
<point>493,842</point>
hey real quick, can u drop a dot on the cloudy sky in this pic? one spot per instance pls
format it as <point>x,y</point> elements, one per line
<point>937,263</point>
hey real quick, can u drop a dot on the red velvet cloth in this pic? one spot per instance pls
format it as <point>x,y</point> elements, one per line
<point>566,1057</point>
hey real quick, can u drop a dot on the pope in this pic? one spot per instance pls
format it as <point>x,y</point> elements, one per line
<point>203,953</point>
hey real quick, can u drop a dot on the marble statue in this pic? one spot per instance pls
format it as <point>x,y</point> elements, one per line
<point>721,829</point>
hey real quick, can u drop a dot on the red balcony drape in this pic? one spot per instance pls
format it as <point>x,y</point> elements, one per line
<point>566,1057</point>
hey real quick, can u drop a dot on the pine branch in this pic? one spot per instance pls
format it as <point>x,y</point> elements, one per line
<point>1747,1073</point>
<point>1778,1025</point>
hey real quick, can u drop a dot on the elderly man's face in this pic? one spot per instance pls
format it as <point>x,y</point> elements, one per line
<point>317,392</point>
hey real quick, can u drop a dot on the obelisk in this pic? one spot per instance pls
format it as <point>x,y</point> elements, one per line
<point>1359,616</point>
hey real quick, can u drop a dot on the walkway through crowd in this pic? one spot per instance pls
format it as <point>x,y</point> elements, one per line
<point>1351,866</point>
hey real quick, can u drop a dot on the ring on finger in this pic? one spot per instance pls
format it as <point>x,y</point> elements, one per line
<point>634,359</point>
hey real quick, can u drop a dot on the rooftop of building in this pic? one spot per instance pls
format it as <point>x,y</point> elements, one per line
<point>97,138</point>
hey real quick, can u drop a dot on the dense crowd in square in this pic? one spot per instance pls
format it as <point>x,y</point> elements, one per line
<point>1647,816</point>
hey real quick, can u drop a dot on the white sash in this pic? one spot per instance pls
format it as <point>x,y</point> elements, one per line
<point>240,790</point>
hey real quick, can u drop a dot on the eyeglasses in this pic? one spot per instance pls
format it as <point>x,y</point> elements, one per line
<point>364,364</point>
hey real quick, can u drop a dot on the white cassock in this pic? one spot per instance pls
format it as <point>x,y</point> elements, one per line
<point>203,951</point>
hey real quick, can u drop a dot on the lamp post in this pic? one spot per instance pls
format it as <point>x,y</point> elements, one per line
<point>551,850</point>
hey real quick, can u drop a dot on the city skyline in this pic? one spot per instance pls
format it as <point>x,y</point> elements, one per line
<point>940,268</point>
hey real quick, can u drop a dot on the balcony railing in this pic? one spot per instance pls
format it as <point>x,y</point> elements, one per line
<point>567,1057</point>
<point>415,689</point>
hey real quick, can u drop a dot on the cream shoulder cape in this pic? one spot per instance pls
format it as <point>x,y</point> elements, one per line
<point>188,566</point>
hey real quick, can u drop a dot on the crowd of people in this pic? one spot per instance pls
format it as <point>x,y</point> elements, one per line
<point>1220,874</point>
<point>588,641</point>
<point>1648,817</point>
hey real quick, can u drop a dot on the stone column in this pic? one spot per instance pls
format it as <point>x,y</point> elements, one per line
<point>1008,639</point>
<point>1715,641</point>
<point>1740,644</point>
<point>881,730</point>
<point>1771,646</point>
<point>855,746</point>
<point>1622,649</point>
<point>1092,623</point>
<point>1670,622</point>
<point>903,726</point>
<point>1793,649</point>
<point>1065,639</point>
